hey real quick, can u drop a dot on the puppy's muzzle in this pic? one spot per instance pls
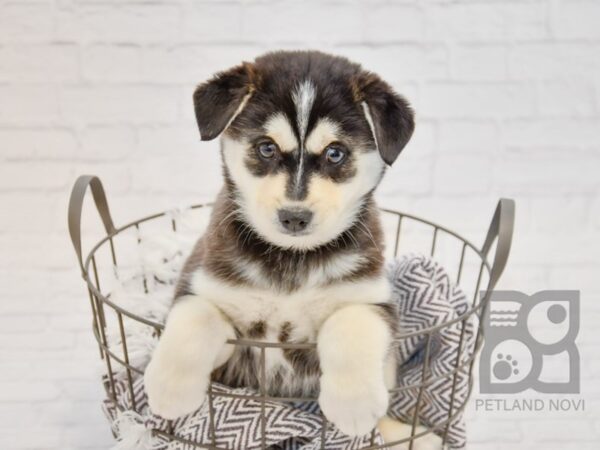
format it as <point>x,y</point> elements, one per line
<point>294,220</point>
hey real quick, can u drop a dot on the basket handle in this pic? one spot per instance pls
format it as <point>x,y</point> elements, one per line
<point>75,208</point>
<point>501,227</point>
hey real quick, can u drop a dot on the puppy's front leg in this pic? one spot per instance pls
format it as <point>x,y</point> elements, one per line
<point>353,346</point>
<point>191,346</point>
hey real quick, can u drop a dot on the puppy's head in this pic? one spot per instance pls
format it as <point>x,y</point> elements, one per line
<point>306,138</point>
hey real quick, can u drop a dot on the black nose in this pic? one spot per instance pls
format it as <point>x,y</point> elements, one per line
<point>294,220</point>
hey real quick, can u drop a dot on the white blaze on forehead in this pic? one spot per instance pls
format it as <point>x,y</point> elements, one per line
<point>280,130</point>
<point>325,132</point>
<point>303,97</point>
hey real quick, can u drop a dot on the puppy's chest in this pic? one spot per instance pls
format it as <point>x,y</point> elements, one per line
<point>266,313</point>
<point>281,317</point>
<point>276,316</point>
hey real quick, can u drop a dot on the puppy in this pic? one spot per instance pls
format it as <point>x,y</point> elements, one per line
<point>293,251</point>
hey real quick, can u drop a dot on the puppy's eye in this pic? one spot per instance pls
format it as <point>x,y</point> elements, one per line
<point>266,150</point>
<point>334,155</point>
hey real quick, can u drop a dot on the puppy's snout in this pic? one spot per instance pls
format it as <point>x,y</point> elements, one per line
<point>295,220</point>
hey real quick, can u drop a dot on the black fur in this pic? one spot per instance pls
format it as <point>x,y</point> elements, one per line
<point>341,87</point>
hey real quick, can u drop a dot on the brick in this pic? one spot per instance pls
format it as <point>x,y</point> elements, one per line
<point>446,100</point>
<point>117,105</point>
<point>560,175</point>
<point>553,431</point>
<point>103,143</point>
<point>501,431</point>
<point>561,215</point>
<point>89,437</point>
<point>147,23</point>
<point>293,22</point>
<point>527,21</point>
<point>534,248</point>
<point>32,212</point>
<point>487,21</point>
<point>410,176</point>
<point>36,251</point>
<point>462,175</point>
<point>82,390</point>
<point>115,175</point>
<point>17,416</point>
<point>204,22</point>
<point>20,22</point>
<point>560,61</point>
<point>28,105</point>
<point>466,22</point>
<point>111,63</point>
<point>191,63</point>
<point>25,143</point>
<point>394,23</point>
<point>40,438</point>
<point>423,142</point>
<point>479,63</point>
<point>576,19</point>
<point>468,136</point>
<point>22,324</point>
<point>39,63</point>
<point>577,277</point>
<point>27,176</point>
<point>67,413</point>
<point>30,391</point>
<point>40,341</point>
<point>185,175</point>
<point>400,63</point>
<point>552,134</point>
<point>164,140</point>
<point>566,99</point>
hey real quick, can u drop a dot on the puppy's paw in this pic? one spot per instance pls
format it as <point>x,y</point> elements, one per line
<point>174,390</point>
<point>393,430</point>
<point>353,405</point>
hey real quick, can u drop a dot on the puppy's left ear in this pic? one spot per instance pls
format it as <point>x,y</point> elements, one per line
<point>390,116</point>
<point>220,99</point>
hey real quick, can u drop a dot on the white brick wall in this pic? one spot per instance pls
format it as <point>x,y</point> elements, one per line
<point>507,94</point>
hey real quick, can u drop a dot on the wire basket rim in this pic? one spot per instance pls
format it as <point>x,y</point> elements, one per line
<point>266,344</point>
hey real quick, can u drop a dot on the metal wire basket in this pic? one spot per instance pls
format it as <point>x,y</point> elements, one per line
<point>438,241</point>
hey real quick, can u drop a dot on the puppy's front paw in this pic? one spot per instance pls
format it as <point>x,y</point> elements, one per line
<point>174,390</point>
<point>353,404</point>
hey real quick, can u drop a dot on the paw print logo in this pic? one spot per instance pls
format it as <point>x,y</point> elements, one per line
<point>505,367</point>
<point>523,334</point>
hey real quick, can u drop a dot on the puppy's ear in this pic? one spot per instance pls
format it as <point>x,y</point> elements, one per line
<point>220,99</point>
<point>390,116</point>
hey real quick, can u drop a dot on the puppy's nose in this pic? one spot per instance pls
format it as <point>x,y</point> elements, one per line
<point>294,220</point>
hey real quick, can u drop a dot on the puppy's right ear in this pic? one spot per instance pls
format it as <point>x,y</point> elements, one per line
<point>220,99</point>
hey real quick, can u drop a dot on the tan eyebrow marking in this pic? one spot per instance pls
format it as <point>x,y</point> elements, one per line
<point>280,130</point>
<point>325,132</point>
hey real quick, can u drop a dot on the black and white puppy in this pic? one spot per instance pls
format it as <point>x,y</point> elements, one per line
<point>293,252</point>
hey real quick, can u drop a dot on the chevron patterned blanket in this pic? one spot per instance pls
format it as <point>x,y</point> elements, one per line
<point>425,297</point>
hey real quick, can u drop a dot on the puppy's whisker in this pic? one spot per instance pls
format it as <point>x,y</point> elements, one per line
<point>368,233</point>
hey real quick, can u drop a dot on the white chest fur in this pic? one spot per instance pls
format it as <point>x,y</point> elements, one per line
<point>306,308</point>
<point>300,313</point>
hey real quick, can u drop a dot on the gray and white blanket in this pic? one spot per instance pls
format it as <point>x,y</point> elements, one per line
<point>425,296</point>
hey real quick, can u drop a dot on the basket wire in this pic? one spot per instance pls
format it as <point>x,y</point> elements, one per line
<point>500,232</point>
